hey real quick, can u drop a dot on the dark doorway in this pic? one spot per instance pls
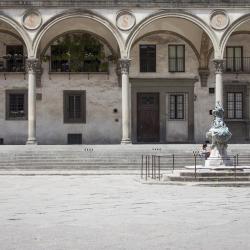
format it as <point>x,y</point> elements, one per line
<point>148,122</point>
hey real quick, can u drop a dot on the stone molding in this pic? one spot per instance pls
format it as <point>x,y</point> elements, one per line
<point>120,3</point>
<point>219,66</point>
<point>204,73</point>
<point>32,65</point>
<point>124,64</point>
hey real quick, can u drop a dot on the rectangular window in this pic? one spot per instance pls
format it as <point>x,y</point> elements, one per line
<point>176,58</point>
<point>147,58</point>
<point>74,106</point>
<point>177,107</point>
<point>16,105</point>
<point>74,139</point>
<point>14,58</point>
<point>234,59</point>
<point>235,105</point>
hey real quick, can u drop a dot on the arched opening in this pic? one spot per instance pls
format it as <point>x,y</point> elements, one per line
<point>169,70</point>
<point>236,51</point>
<point>78,21</point>
<point>14,49</point>
<point>13,52</point>
<point>79,52</point>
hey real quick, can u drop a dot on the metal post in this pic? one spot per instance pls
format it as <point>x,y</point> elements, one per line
<point>149,166</point>
<point>195,168</point>
<point>152,166</point>
<point>235,169</point>
<point>142,166</point>
<point>155,167</point>
<point>159,167</point>
<point>173,162</point>
<point>146,167</point>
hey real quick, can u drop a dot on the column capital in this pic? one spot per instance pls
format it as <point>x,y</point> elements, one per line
<point>219,66</point>
<point>124,64</point>
<point>32,64</point>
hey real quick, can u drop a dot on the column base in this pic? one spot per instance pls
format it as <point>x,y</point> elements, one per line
<point>31,142</point>
<point>126,141</point>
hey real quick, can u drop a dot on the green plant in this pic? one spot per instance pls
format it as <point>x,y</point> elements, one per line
<point>79,49</point>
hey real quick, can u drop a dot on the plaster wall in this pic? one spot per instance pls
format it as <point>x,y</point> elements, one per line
<point>202,103</point>
<point>103,95</point>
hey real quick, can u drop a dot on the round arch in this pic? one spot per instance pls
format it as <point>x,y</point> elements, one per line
<point>231,30</point>
<point>163,14</point>
<point>170,33</point>
<point>21,33</point>
<point>80,15</point>
<point>78,31</point>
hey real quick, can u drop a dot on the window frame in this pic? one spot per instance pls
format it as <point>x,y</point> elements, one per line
<point>176,57</point>
<point>141,60</point>
<point>234,64</point>
<point>8,92</point>
<point>66,94</point>
<point>176,106</point>
<point>234,105</point>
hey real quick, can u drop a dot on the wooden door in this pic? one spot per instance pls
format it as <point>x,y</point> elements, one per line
<point>148,122</point>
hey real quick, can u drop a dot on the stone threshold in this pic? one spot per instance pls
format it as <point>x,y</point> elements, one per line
<point>196,184</point>
<point>67,172</point>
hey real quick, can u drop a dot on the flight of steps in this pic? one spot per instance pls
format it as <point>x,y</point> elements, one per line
<point>210,176</point>
<point>97,157</point>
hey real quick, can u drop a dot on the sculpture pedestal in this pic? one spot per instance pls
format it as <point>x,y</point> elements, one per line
<point>218,158</point>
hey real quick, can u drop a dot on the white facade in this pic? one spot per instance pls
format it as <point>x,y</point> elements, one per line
<point>111,98</point>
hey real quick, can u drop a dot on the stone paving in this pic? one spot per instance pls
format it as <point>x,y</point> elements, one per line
<point>118,212</point>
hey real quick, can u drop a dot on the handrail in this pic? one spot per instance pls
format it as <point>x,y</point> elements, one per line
<point>152,166</point>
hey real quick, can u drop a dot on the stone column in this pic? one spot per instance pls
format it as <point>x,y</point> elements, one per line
<point>219,63</point>
<point>32,65</point>
<point>126,114</point>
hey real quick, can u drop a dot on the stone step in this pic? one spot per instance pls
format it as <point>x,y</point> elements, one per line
<point>60,167</point>
<point>103,156</point>
<point>215,174</point>
<point>207,179</point>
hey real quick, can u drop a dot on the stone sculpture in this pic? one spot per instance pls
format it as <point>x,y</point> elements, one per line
<point>218,135</point>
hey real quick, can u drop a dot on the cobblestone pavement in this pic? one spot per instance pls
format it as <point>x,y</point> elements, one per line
<point>117,212</point>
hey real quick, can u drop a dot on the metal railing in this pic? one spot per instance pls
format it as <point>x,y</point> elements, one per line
<point>237,65</point>
<point>78,66</point>
<point>153,166</point>
<point>12,63</point>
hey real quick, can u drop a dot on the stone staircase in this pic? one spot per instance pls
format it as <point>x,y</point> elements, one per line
<point>97,157</point>
<point>212,176</point>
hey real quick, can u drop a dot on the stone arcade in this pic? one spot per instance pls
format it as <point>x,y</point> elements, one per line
<point>105,72</point>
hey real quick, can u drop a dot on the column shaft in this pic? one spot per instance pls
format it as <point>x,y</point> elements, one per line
<point>219,81</point>
<point>31,67</point>
<point>126,114</point>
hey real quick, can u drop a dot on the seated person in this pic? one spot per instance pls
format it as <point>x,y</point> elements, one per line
<point>205,150</point>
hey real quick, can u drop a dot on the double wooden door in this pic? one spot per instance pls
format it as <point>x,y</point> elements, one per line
<point>148,117</point>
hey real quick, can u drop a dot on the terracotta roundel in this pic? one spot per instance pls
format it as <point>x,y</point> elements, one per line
<point>219,20</point>
<point>125,20</point>
<point>32,20</point>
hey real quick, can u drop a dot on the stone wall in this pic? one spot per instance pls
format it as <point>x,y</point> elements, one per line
<point>103,95</point>
<point>128,3</point>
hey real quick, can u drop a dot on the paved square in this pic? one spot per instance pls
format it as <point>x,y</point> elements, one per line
<point>117,212</point>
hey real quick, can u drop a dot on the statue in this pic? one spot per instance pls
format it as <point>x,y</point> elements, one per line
<point>219,135</point>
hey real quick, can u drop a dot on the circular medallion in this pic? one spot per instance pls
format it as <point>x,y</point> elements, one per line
<point>219,20</point>
<point>125,20</point>
<point>32,20</point>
